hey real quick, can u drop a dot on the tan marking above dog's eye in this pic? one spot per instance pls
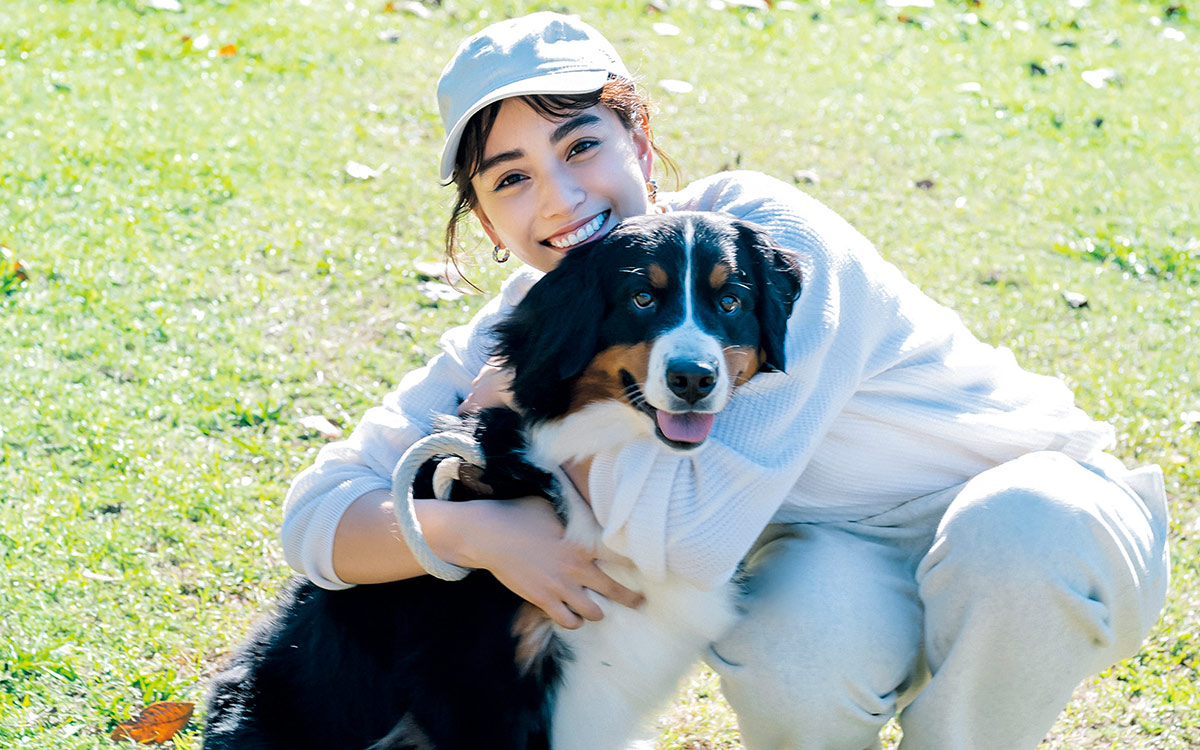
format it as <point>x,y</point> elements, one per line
<point>718,276</point>
<point>658,276</point>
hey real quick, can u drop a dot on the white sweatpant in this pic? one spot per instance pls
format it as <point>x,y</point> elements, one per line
<point>985,605</point>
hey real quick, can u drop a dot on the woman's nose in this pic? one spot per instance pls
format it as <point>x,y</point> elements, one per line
<point>561,193</point>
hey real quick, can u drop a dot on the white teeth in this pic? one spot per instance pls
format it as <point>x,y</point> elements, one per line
<point>581,234</point>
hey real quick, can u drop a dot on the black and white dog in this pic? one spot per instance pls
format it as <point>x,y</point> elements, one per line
<point>649,331</point>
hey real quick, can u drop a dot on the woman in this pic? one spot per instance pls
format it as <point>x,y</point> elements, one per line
<point>915,514</point>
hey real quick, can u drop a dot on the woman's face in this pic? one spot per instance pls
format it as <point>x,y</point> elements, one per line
<point>548,187</point>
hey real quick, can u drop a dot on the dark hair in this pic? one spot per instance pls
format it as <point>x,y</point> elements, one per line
<point>619,95</point>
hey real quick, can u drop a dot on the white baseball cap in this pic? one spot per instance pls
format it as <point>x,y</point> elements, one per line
<point>541,53</point>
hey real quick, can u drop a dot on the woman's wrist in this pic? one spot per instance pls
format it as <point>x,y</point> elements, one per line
<point>447,528</point>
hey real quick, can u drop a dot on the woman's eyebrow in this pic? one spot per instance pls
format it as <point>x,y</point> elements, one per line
<point>573,124</point>
<point>500,158</point>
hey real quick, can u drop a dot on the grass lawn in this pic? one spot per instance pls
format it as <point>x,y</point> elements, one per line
<point>187,270</point>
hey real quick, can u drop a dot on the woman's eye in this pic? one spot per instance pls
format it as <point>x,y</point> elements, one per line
<point>643,299</point>
<point>581,146</point>
<point>729,303</point>
<point>511,179</point>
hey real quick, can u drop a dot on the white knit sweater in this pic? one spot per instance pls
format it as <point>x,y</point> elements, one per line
<point>887,396</point>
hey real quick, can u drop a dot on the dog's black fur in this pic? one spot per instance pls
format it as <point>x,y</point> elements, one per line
<point>425,664</point>
<point>394,665</point>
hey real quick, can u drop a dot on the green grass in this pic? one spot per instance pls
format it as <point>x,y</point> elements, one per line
<point>187,271</point>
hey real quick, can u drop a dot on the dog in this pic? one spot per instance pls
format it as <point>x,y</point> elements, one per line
<point>646,332</point>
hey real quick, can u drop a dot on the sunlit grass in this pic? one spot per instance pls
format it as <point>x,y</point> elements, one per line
<point>187,270</point>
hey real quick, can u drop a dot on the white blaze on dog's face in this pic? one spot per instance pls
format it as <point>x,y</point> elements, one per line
<point>652,330</point>
<point>687,378</point>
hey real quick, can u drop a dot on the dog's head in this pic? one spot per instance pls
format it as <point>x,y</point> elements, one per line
<point>667,315</point>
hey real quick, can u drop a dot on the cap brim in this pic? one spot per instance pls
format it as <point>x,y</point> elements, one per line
<point>579,82</point>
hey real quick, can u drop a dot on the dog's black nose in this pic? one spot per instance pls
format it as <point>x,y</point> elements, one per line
<point>691,380</point>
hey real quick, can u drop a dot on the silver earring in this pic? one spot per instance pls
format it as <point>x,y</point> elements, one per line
<point>499,254</point>
<point>651,190</point>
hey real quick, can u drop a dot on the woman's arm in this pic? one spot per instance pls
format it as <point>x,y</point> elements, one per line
<point>518,541</point>
<point>339,526</point>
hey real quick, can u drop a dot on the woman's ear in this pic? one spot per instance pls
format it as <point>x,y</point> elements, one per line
<point>487,225</point>
<point>642,147</point>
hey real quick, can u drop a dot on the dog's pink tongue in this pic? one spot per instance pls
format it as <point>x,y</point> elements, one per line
<point>685,428</point>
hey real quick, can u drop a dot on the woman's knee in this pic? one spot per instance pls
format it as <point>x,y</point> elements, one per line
<point>830,636</point>
<point>1043,532</point>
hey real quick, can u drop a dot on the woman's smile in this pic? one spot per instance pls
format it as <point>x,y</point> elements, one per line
<point>579,235</point>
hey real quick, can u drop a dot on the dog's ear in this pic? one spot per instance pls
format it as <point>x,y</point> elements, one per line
<point>552,335</point>
<point>776,271</point>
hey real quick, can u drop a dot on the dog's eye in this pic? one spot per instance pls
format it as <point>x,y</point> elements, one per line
<point>643,299</point>
<point>729,303</point>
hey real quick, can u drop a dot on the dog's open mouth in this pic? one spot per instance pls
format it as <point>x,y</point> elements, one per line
<point>682,430</point>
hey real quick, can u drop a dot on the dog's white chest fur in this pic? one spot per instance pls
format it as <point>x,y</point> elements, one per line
<point>625,667</point>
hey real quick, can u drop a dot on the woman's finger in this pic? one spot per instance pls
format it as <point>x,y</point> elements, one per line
<point>562,615</point>
<point>582,605</point>
<point>602,584</point>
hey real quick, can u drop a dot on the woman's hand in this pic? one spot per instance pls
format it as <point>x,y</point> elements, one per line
<point>489,388</point>
<point>521,543</point>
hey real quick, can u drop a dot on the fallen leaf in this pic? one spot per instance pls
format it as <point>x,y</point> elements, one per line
<point>170,5</point>
<point>1075,299</point>
<point>1100,77</point>
<point>98,577</point>
<point>362,171</point>
<point>321,426</point>
<point>1174,35</point>
<point>657,6</point>
<point>157,723</point>
<point>438,270</point>
<point>438,292</point>
<point>926,184</point>
<point>229,50</point>
<point>391,36</point>
<point>417,9</point>
<point>665,29</point>
<point>675,86</point>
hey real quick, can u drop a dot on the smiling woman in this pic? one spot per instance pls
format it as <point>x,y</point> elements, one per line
<point>920,521</point>
<point>594,111</point>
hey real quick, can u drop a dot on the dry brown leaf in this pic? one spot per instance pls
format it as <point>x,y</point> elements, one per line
<point>321,426</point>
<point>229,50</point>
<point>438,270</point>
<point>1075,299</point>
<point>439,292</point>
<point>157,723</point>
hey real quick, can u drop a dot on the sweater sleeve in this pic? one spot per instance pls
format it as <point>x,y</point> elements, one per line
<point>345,471</point>
<point>697,514</point>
